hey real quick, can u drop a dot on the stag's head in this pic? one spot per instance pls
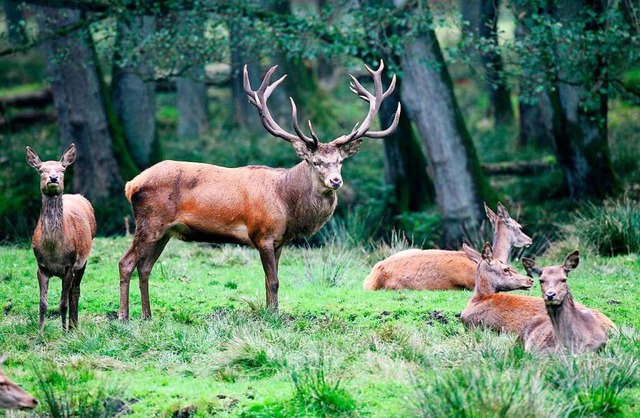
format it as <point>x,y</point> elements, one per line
<point>553,279</point>
<point>52,172</point>
<point>325,159</point>
<point>499,275</point>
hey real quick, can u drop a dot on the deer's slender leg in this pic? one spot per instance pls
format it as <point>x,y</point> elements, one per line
<point>75,297</point>
<point>67,281</point>
<point>43,283</point>
<point>145,265</point>
<point>270,266</point>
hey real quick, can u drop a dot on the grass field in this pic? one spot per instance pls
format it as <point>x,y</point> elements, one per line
<point>334,349</point>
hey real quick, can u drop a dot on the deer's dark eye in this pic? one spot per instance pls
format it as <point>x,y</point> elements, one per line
<point>317,163</point>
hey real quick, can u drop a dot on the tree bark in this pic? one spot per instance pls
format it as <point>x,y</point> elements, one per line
<point>13,15</point>
<point>460,185</point>
<point>133,92</point>
<point>192,101</point>
<point>580,128</point>
<point>79,102</point>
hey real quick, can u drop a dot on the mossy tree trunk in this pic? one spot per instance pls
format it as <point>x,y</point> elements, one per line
<point>134,92</point>
<point>460,184</point>
<point>580,104</point>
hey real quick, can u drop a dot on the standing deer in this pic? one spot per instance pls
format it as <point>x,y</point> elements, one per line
<point>13,396</point>
<point>564,325</point>
<point>257,206</point>
<point>444,270</point>
<point>62,239</point>
<point>504,312</point>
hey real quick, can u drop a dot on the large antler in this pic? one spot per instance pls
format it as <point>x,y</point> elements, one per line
<point>259,99</point>
<point>375,100</point>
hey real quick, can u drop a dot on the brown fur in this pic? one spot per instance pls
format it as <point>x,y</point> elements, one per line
<point>440,269</point>
<point>63,236</point>
<point>13,396</point>
<point>565,326</point>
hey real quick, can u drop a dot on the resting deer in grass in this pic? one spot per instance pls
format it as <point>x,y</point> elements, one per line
<point>504,312</point>
<point>13,396</point>
<point>564,325</point>
<point>256,206</point>
<point>444,270</point>
<point>63,236</point>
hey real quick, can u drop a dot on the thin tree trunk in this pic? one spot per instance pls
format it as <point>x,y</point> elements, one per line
<point>192,101</point>
<point>133,92</point>
<point>460,184</point>
<point>80,105</point>
<point>580,130</point>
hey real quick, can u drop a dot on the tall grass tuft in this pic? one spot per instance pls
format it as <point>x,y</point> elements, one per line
<point>331,267</point>
<point>319,393</point>
<point>78,392</point>
<point>612,228</point>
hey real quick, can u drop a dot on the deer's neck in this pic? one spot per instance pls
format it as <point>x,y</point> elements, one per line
<point>310,204</point>
<point>568,323</point>
<point>51,217</point>
<point>501,243</point>
<point>483,285</point>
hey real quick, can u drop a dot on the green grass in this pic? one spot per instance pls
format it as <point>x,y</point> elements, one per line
<point>333,350</point>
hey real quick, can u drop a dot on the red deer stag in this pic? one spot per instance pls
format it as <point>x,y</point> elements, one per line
<point>441,269</point>
<point>13,396</point>
<point>504,312</point>
<point>62,239</point>
<point>564,326</point>
<point>257,206</point>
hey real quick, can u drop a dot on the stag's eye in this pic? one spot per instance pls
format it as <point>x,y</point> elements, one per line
<point>317,163</point>
<point>506,271</point>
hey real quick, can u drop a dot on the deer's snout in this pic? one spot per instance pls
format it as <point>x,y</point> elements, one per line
<point>335,182</point>
<point>29,404</point>
<point>53,178</point>
<point>549,295</point>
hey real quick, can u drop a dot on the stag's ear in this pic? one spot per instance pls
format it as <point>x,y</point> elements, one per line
<point>302,150</point>
<point>487,252</point>
<point>531,267</point>
<point>471,253</point>
<point>69,156</point>
<point>32,158</point>
<point>493,218</point>
<point>350,148</point>
<point>502,212</point>
<point>572,261</point>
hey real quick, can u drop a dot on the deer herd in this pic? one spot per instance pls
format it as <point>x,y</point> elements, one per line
<point>267,208</point>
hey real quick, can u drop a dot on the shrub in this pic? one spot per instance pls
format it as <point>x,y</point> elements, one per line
<point>612,228</point>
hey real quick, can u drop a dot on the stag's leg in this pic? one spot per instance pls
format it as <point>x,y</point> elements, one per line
<point>269,257</point>
<point>67,281</point>
<point>75,297</point>
<point>43,282</point>
<point>145,265</point>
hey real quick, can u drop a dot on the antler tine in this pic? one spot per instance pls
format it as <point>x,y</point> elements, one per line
<point>375,100</point>
<point>311,142</point>
<point>259,98</point>
<point>313,133</point>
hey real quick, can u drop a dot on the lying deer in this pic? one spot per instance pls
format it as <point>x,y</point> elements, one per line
<point>13,396</point>
<point>504,312</point>
<point>63,236</point>
<point>564,325</point>
<point>444,270</point>
<point>256,206</point>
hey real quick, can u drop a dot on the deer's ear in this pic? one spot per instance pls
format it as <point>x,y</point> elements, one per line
<point>350,148</point>
<point>493,218</point>
<point>302,150</point>
<point>471,253</point>
<point>531,267</point>
<point>572,261</point>
<point>33,159</point>
<point>502,212</point>
<point>487,252</point>
<point>69,156</point>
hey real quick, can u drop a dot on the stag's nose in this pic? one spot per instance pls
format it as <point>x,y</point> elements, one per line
<point>550,295</point>
<point>335,182</point>
<point>53,178</point>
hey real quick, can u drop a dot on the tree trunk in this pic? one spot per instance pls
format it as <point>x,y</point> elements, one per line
<point>79,102</point>
<point>405,166</point>
<point>192,102</point>
<point>580,130</point>
<point>133,92</point>
<point>13,15</point>
<point>460,185</point>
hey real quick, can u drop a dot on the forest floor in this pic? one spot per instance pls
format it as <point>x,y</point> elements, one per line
<point>333,350</point>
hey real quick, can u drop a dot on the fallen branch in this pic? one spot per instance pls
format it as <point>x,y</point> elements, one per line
<point>518,168</point>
